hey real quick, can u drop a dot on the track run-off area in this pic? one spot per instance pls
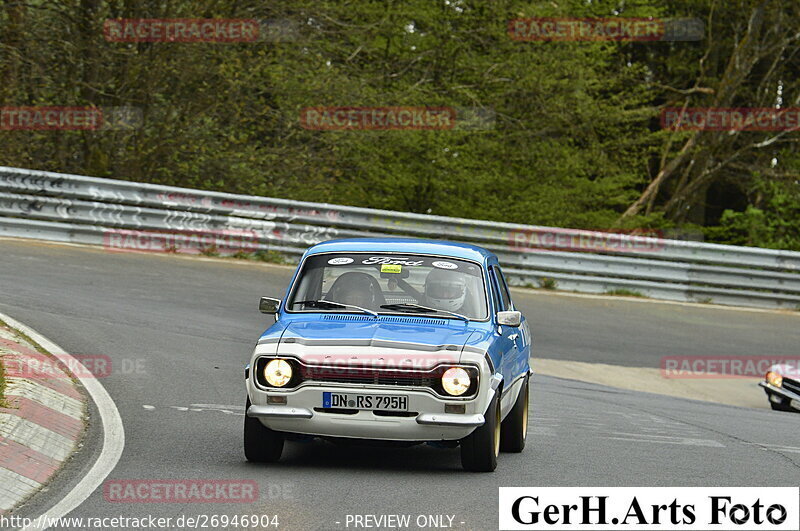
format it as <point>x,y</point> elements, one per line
<point>179,330</point>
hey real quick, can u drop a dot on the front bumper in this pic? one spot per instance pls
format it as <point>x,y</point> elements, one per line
<point>793,399</point>
<point>426,420</point>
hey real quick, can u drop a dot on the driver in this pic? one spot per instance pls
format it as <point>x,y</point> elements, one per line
<point>354,288</point>
<point>446,290</point>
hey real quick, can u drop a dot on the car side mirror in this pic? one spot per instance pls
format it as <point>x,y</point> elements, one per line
<point>509,318</point>
<point>269,305</point>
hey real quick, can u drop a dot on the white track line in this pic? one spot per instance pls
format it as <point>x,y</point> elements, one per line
<point>113,432</point>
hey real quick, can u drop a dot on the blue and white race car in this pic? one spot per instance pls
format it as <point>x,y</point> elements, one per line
<point>393,340</point>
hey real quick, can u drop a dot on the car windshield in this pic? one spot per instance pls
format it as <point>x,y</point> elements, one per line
<point>390,283</point>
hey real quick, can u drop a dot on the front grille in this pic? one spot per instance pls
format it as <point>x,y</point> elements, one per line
<point>369,376</point>
<point>431,379</point>
<point>791,385</point>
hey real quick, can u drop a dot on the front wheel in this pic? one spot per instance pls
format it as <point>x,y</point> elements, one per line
<point>261,444</point>
<point>479,449</point>
<point>515,426</point>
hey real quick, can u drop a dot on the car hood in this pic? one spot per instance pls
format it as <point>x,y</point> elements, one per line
<point>418,332</point>
<point>390,340</point>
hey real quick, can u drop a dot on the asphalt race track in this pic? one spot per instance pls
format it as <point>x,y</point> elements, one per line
<point>180,330</point>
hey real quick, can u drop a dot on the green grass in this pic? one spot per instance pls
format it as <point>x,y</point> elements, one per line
<point>242,255</point>
<point>269,256</point>
<point>2,385</point>
<point>548,283</point>
<point>273,257</point>
<point>211,250</point>
<point>17,336</point>
<point>21,337</point>
<point>624,292</point>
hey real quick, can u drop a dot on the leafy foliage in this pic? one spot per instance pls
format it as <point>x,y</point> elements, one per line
<point>576,141</point>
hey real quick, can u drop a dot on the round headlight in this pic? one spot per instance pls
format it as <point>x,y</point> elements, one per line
<point>277,373</point>
<point>773,378</point>
<point>455,381</point>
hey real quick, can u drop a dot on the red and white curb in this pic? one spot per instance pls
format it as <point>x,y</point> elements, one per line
<point>51,395</point>
<point>42,422</point>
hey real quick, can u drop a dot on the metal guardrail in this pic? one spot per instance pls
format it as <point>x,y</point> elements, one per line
<point>72,208</point>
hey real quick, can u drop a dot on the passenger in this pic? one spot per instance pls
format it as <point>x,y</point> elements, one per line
<point>447,290</point>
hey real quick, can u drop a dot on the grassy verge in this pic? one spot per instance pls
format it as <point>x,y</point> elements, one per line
<point>2,385</point>
<point>625,293</point>
<point>25,338</point>
<point>212,251</point>
<point>272,257</point>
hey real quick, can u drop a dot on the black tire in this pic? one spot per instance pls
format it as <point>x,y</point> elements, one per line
<point>261,444</point>
<point>515,427</point>
<point>782,406</point>
<point>480,448</point>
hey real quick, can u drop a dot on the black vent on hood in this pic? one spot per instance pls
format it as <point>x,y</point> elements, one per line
<point>385,319</point>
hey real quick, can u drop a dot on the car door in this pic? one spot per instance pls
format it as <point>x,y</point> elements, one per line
<point>520,362</point>
<point>505,336</point>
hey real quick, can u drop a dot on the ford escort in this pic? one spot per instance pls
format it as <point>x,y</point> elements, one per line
<point>392,340</point>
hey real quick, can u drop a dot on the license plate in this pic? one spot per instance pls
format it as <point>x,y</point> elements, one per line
<point>359,401</point>
<point>795,404</point>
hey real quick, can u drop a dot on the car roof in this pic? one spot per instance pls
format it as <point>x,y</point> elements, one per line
<point>403,245</point>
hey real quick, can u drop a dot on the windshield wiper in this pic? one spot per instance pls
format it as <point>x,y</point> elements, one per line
<point>334,304</point>
<point>405,306</point>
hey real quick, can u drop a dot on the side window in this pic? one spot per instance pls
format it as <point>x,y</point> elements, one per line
<point>500,300</point>
<point>504,293</point>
